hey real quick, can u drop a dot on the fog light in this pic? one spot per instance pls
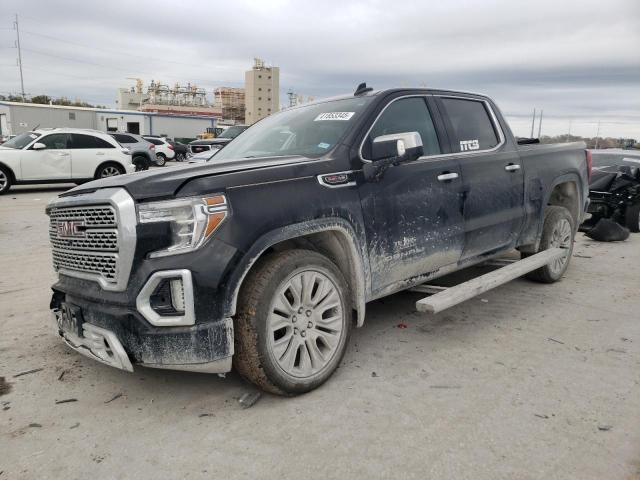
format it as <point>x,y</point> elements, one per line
<point>177,294</point>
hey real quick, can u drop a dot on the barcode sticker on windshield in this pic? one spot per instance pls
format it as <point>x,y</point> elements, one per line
<point>334,116</point>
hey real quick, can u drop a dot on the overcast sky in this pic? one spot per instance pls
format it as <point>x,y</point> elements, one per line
<point>579,61</point>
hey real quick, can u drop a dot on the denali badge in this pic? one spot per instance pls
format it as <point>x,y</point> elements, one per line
<point>70,228</point>
<point>469,145</point>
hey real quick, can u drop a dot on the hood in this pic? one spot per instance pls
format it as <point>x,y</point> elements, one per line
<point>166,181</point>
<point>212,141</point>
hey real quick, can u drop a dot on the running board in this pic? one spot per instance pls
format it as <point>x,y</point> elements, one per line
<point>444,298</point>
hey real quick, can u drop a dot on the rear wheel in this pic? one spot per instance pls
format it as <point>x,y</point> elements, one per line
<point>293,322</point>
<point>109,170</point>
<point>161,159</point>
<point>141,163</point>
<point>558,231</point>
<point>180,157</point>
<point>632,218</point>
<point>5,181</point>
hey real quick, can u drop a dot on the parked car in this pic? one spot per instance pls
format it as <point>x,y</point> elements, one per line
<point>143,152</point>
<point>267,256</point>
<point>217,143</point>
<point>180,149</point>
<point>61,155</point>
<point>164,149</point>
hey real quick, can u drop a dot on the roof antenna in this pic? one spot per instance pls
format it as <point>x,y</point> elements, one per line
<point>362,89</point>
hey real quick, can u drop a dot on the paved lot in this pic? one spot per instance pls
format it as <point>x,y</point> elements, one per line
<point>529,381</point>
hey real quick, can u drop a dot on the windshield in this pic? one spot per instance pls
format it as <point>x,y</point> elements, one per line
<point>310,130</point>
<point>232,132</point>
<point>21,140</point>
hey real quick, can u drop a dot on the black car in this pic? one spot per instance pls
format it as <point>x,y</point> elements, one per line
<point>265,258</point>
<point>198,146</point>
<point>181,150</point>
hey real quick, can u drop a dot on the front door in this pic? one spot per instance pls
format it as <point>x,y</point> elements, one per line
<point>50,163</point>
<point>492,175</point>
<point>413,215</point>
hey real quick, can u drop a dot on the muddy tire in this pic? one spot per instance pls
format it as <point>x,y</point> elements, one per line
<point>632,218</point>
<point>558,231</point>
<point>293,322</point>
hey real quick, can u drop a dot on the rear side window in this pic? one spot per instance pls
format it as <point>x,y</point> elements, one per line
<point>80,141</point>
<point>403,116</point>
<point>155,141</point>
<point>471,124</point>
<point>55,141</point>
<point>124,138</point>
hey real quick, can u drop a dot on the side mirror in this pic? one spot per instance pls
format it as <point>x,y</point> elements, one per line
<point>405,147</point>
<point>38,146</point>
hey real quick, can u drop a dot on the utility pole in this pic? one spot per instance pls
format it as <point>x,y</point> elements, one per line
<point>533,123</point>
<point>597,134</point>
<point>540,123</point>
<point>19,56</point>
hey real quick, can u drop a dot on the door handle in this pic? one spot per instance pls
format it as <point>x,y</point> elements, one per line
<point>445,177</point>
<point>62,154</point>
<point>512,167</point>
<point>100,153</point>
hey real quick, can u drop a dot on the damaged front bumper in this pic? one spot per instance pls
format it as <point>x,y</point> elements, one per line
<point>121,338</point>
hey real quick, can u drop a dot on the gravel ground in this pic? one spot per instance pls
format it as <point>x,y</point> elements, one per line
<point>528,381</point>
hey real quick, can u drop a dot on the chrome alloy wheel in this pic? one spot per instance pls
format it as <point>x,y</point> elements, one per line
<point>3,180</point>
<point>305,323</point>
<point>561,237</point>
<point>109,171</point>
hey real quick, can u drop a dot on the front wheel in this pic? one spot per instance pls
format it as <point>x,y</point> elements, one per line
<point>293,322</point>
<point>632,217</point>
<point>5,181</point>
<point>558,231</point>
<point>109,170</point>
<point>161,159</point>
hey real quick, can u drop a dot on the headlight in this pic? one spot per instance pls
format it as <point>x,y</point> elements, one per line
<point>192,220</point>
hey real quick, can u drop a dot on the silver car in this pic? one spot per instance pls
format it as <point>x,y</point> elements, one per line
<point>143,153</point>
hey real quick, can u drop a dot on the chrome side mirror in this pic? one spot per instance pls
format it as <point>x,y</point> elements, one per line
<point>405,147</point>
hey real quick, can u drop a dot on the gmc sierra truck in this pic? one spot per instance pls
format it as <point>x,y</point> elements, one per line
<point>265,257</point>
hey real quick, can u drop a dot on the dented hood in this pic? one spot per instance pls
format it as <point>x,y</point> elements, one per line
<point>166,181</point>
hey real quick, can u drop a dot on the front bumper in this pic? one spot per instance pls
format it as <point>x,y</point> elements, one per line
<point>121,338</point>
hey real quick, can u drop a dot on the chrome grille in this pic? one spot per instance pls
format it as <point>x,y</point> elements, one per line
<point>91,247</point>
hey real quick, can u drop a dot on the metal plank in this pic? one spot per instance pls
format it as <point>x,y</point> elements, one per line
<point>464,291</point>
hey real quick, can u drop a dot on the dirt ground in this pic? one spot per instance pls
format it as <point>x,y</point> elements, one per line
<point>528,381</point>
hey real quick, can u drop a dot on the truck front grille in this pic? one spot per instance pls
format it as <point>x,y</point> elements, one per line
<point>85,240</point>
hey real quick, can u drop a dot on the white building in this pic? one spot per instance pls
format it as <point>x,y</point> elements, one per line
<point>16,117</point>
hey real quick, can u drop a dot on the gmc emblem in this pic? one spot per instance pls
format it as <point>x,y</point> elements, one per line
<point>70,229</point>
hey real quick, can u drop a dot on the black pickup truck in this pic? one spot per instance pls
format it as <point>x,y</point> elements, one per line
<point>267,257</point>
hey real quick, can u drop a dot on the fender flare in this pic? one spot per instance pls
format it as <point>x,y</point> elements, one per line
<point>357,257</point>
<point>564,178</point>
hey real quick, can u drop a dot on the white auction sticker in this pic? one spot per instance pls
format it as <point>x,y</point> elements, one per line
<point>334,116</point>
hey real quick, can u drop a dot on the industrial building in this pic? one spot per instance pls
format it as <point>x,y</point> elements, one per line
<point>16,117</point>
<point>231,102</point>
<point>262,91</point>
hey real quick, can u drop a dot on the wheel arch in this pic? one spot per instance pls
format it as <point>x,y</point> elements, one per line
<point>334,238</point>
<point>109,162</point>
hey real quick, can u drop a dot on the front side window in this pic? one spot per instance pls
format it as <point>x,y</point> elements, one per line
<point>472,125</point>
<point>403,116</point>
<point>55,141</point>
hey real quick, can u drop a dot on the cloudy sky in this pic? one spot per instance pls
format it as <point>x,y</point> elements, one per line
<point>579,61</point>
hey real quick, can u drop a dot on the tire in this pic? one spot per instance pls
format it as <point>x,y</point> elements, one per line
<point>180,157</point>
<point>109,170</point>
<point>141,163</point>
<point>161,159</point>
<point>558,231</point>
<point>285,342</point>
<point>632,218</point>
<point>5,181</point>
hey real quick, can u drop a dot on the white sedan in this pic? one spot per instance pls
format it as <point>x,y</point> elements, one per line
<point>61,155</point>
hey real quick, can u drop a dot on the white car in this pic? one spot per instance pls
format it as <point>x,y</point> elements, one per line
<point>164,150</point>
<point>61,155</point>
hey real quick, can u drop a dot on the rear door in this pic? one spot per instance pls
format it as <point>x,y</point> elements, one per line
<point>87,153</point>
<point>51,163</point>
<point>493,178</point>
<point>413,215</point>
